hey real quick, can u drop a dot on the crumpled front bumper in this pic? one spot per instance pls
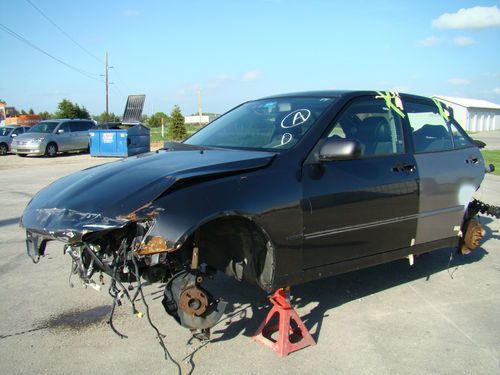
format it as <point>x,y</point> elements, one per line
<point>65,225</point>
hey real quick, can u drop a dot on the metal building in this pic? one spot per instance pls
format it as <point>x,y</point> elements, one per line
<point>474,114</point>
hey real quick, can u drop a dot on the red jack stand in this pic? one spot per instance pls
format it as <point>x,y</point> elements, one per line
<point>286,314</point>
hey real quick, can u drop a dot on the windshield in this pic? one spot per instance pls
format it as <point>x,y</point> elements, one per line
<point>44,127</point>
<point>5,131</point>
<point>263,124</point>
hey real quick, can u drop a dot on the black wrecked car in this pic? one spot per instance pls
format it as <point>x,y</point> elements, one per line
<point>276,192</point>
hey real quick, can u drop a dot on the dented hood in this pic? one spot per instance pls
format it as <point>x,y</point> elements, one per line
<point>112,194</point>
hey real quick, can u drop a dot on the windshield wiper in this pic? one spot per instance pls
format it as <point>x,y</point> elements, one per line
<point>177,146</point>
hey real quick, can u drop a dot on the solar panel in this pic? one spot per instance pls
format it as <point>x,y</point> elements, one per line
<point>133,109</point>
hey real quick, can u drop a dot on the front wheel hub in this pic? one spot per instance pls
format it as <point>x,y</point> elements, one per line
<point>190,304</point>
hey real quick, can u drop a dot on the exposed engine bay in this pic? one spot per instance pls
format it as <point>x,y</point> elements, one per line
<point>125,257</point>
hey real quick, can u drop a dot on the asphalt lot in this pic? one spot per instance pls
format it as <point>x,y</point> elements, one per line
<point>436,317</point>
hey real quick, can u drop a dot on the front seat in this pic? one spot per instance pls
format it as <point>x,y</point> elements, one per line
<point>380,142</point>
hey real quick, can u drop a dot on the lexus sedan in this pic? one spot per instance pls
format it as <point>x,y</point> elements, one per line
<point>276,192</point>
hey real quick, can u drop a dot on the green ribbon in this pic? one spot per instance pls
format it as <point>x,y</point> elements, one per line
<point>388,98</point>
<point>444,114</point>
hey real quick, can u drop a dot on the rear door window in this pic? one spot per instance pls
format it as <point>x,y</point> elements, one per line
<point>430,131</point>
<point>80,126</point>
<point>459,138</point>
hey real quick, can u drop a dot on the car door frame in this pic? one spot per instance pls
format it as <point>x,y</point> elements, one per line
<point>442,224</point>
<point>406,154</point>
<point>80,137</point>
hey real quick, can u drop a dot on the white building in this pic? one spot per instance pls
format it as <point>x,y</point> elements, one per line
<point>197,119</point>
<point>474,114</point>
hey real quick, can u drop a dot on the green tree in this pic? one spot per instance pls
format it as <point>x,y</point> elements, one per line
<point>177,128</point>
<point>45,115</point>
<point>66,109</point>
<point>111,117</point>
<point>144,119</point>
<point>155,120</point>
<point>31,112</point>
<point>23,112</point>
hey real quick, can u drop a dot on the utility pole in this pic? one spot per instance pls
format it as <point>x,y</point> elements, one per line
<point>107,84</point>
<point>199,107</point>
<point>107,67</point>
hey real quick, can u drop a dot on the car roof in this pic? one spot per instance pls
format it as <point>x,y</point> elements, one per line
<point>65,119</point>
<point>334,93</point>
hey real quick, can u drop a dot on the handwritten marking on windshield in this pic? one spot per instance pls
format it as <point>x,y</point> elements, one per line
<point>285,138</point>
<point>295,118</point>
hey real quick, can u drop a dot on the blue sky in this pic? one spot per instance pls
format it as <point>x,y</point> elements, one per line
<point>239,50</point>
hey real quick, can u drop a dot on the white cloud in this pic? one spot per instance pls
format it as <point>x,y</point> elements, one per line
<point>463,41</point>
<point>429,42</point>
<point>130,12</point>
<point>470,18</point>
<point>496,90</point>
<point>252,75</point>
<point>459,81</point>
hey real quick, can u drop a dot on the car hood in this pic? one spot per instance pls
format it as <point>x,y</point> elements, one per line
<point>113,194</point>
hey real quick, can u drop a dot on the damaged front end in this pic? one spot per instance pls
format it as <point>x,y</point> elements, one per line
<point>125,251</point>
<point>112,220</point>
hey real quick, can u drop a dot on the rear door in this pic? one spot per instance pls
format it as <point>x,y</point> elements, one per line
<point>357,208</point>
<point>80,132</point>
<point>450,169</point>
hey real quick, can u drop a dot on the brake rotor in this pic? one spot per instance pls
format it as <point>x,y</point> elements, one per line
<point>472,237</point>
<point>193,301</point>
<point>191,305</point>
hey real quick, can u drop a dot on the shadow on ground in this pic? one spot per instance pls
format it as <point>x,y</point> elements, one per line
<point>248,305</point>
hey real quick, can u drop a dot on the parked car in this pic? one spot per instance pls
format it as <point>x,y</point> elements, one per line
<point>7,134</point>
<point>52,136</point>
<point>275,192</point>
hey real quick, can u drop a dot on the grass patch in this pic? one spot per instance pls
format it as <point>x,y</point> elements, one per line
<point>156,133</point>
<point>492,157</point>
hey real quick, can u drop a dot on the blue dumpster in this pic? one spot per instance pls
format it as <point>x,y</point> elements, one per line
<point>119,140</point>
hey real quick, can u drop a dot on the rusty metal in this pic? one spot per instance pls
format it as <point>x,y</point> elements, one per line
<point>473,235</point>
<point>193,301</point>
<point>155,245</point>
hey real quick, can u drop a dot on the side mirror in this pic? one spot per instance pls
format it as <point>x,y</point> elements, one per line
<point>339,149</point>
<point>478,143</point>
<point>13,135</point>
<point>60,131</point>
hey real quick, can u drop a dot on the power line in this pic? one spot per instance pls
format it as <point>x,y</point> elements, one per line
<point>24,40</point>
<point>64,32</point>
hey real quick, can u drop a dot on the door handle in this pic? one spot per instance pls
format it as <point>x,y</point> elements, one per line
<point>472,160</point>
<point>404,167</point>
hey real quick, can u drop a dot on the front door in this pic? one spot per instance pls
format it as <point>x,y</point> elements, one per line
<point>63,137</point>
<point>356,208</point>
